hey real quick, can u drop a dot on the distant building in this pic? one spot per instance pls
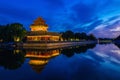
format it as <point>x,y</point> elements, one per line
<point>39,32</point>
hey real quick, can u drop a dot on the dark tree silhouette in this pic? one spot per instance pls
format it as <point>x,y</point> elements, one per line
<point>78,36</point>
<point>91,37</point>
<point>12,32</point>
<point>68,35</point>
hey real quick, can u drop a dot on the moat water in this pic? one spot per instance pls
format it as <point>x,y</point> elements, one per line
<point>85,62</point>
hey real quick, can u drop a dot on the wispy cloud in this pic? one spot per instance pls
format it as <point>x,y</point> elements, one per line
<point>110,28</point>
<point>116,29</point>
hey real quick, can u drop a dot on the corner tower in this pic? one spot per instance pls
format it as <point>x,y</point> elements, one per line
<point>39,32</point>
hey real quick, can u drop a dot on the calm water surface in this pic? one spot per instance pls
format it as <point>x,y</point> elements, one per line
<point>87,62</point>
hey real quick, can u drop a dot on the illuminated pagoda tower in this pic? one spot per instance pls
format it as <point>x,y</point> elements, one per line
<point>39,32</point>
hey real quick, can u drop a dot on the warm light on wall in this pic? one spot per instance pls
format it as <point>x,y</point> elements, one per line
<point>38,28</point>
<point>16,51</point>
<point>38,62</point>
<point>55,38</point>
<point>16,39</point>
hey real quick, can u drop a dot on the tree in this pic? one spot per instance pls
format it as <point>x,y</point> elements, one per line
<point>1,33</point>
<point>84,36</point>
<point>78,36</point>
<point>5,33</point>
<point>91,37</point>
<point>17,31</point>
<point>12,32</point>
<point>68,35</point>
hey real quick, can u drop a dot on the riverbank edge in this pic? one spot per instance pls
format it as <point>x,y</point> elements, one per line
<point>56,44</point>
<point>47,45</point>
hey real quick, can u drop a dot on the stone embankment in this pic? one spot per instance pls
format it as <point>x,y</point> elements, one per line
<point>56,44</point>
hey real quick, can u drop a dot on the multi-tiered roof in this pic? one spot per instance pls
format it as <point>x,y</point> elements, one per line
<point>39,21</point>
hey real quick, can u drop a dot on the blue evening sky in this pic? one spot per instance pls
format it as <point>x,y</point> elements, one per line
<point>100,17</point>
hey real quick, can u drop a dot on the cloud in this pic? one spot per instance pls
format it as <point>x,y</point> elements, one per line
<point>110,31</point>
<point>114,18</point>
<point>88,12</point>
<point>93,25</point>
<point>107,51</point>
<point>116,29</point>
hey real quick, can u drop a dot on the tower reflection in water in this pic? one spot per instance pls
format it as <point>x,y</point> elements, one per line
<point>39,58</point>
<point>13,59</point>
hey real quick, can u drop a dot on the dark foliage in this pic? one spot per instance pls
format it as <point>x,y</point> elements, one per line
<point>70,36</point>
